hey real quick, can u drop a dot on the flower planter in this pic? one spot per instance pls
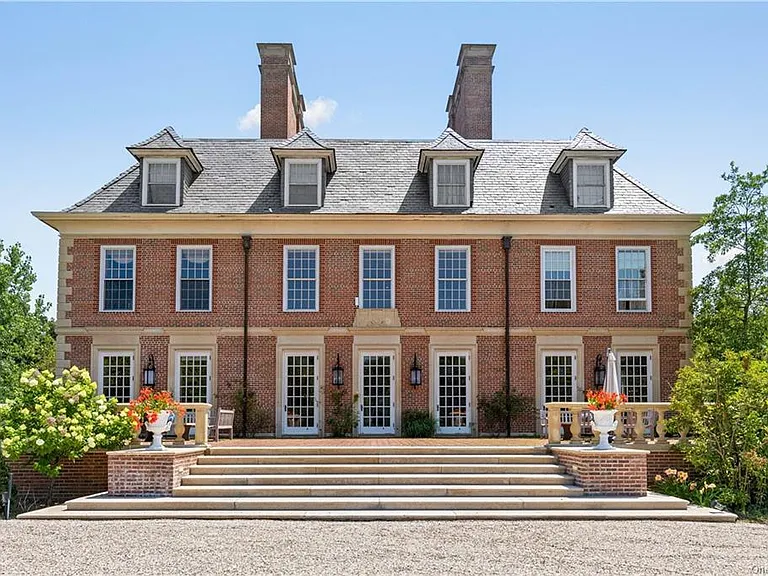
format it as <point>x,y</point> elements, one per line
<point>604,422</point>
<point>158,428</point>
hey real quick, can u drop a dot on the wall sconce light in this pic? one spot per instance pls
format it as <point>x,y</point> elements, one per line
<point>149,372</point>
<point>337,373</point>
<point>415,372</point>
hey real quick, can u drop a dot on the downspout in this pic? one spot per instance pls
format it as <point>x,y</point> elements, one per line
<point>246,276</point>
<point>506,242</point>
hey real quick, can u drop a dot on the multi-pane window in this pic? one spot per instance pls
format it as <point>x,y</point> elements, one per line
<point>635,377</point>
<point>194,279</point>
<point>632,274</point>
<point>300,410</point>
<point>193,372</point>
<point>302,183</point>
<point>118,278</point>
<point>300,289</point>
<point>377,270</point>
<point>161,182</point>
<point>558,283</point>
<point>451,183</point>
<point>116,371</point>
<point>591,184</point>
<point>559,377</point>
<point>452,279</point>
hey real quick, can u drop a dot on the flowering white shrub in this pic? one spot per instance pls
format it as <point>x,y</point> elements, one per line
<point>53,420</point>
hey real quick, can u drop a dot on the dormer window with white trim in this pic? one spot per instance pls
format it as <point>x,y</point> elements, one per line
<point>592,184</point>
<point>303,182</point>
<point>451,183</point>
<point>161,182</point>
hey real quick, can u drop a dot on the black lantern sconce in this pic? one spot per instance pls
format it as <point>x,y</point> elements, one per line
<point>149,372</point>
<point>415,372</point>
<point>337,373</point>
<point>599,372</point>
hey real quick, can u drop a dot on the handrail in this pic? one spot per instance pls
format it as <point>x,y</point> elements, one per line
<point>201,410</point>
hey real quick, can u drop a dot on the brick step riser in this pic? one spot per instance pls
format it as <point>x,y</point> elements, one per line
<point>374,491</point>
<point>377,469</point>
<point>373,479</point>
<point>384,459</point>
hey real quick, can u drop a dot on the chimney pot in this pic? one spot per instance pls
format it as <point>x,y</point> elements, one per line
<point>469,108</point>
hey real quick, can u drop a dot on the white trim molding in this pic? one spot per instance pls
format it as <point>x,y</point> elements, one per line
<point>307,247</point>
<point>606,180</point>
<point>287,181</point>
<point>467,182</point>
<point>145,163</point>
<point>101,353</point>
<point>571,250</point>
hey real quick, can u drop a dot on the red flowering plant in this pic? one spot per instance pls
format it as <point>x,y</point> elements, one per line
<point>149,404</point>
<point>602,400</point>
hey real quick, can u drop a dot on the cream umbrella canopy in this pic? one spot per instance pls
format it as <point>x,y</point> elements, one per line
<point>604,420</point>
<point>612,375</point>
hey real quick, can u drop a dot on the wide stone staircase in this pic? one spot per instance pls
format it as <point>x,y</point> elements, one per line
<point>379,483</point>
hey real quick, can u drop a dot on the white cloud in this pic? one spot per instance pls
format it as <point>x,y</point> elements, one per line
<point>251,120</point>
<point>320,111</point>
<point>702,266</point>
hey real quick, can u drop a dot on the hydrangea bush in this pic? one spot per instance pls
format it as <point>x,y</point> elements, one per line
<point>53,420</point>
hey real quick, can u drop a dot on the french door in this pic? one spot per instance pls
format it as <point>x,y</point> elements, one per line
<point>635,376</point>
<point>300,393</point>
<point>452,393</point>
<point>193,380</point>
<point>559,380</point>
<point>377,393</point>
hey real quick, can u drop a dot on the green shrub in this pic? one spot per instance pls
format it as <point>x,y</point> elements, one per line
<point>724,406</point>
<point>676,483</point>
<point>56,420</point>
<point>343,414</point>
<point>418,424</point>
<point>494,409</point>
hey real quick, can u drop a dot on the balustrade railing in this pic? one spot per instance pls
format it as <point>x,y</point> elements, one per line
<point>201,411</point>
<point>639,423</point>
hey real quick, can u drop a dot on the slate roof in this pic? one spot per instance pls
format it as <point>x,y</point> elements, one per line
<point>586,140</point>
<point>166,138</point>
<point>374,176</point>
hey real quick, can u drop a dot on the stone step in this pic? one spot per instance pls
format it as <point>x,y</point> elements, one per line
<point>247,469</point>
<point>360,479</point>
<point>375,450</point>
<point>104,503</point>
<point>448,458</point>
<point>379,490</point>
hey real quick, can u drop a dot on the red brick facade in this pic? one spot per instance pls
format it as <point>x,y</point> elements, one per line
<point>606,473</point>
<point>82,477</point>
<point>145,473</point>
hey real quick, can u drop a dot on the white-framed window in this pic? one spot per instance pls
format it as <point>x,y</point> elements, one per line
<point>377,276</point>
<point>558,372</point>
<point>303,182</point>
<point>558,278</point>
<point>193,376</point>
<point>635,376</point>
<point>591,183</point>
<point>161,182</point>
<point>451,183</point>
<point>116,375</point>
<point>453,291</point>
<point>194,266</point>
<point>301,278</point>
<point>117,284</point>
<point>633,274</point>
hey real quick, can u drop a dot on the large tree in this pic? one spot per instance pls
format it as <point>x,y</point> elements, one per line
<point>731,304</point>
<point>26,333</point>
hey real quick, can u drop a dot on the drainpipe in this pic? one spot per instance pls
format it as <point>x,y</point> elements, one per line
<point>246,275</point>
<point>506,242</point>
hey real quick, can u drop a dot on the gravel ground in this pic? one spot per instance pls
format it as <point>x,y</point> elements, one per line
<point>439,548</point>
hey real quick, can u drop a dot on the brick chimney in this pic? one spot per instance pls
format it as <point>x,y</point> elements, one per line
<point>282,105</point>
<point>469,107</point>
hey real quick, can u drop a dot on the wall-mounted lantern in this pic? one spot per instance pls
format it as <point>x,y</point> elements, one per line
<point>599,372</point>
<point>337,373</point>
<point>415,372</point>
<point>149,372</point>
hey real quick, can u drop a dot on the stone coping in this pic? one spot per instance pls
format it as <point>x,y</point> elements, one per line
<point>144,453</point>
<point>591,451</point>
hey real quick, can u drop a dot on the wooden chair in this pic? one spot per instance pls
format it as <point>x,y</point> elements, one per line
<point>225,422</point>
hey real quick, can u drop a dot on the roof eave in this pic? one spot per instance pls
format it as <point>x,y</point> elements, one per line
<point>569,154</point>
<point>187,153</point>
<point>326,154</point>
<point>428,154</point>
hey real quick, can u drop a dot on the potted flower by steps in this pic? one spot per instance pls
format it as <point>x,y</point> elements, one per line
<point>157,411</point>
<point>604,406</point>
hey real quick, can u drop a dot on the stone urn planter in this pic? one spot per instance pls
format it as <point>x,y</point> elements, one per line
<point>604,422</point>
<point>165,419</point>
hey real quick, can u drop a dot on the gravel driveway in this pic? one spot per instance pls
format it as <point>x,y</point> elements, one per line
<point>379,548</point>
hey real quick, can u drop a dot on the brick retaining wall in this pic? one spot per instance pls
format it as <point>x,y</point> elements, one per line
<point>142,472</point>
<point>82,477</point>
<point>606,472</point>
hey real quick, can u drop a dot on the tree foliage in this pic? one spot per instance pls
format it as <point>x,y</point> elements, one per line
<point>26,333</point>
<point>730,305</point>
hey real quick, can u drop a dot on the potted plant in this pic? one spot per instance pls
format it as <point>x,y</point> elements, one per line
<point>604,406</point>
<point>157,411</point>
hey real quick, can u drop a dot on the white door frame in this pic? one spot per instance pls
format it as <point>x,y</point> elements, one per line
<point>467,354</point>
<point>649,355</point>
<point>361,429</point>
<point>291,430</point>
<point>565,416</point>
<point>102,353</point>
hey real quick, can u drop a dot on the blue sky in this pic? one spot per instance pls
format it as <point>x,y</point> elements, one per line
<point>681,86</point>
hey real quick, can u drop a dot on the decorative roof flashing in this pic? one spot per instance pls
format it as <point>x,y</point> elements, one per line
<point>305,144</point>
<point>449,145</point>
<point>587,145</point>
<point>166,144</point>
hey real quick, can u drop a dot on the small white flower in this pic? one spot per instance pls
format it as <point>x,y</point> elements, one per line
<point>39,441</point>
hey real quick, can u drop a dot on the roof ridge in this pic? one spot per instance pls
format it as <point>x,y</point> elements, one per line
<point>647,190</point>
<point>92,195</point>
<point>167,130</point>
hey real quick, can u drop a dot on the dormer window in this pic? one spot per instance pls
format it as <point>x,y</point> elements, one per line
<point>161,182</point>
<point>303,182</point>
<point>592,180</point>
<point>451,183</point>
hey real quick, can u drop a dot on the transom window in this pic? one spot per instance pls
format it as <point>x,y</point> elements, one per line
<point>377,273</point>
<point>193,289</point>
<point>302,182</point>
<point>451,183</point>
<point>633,290</point>
<point>300,281</point>
<point>452,279</point>
<point>161,182</point>
<point>116,375</point>
<point>591,182</point>
<point>558,279</point>
<point>635,376</point>
<point>118,278</point>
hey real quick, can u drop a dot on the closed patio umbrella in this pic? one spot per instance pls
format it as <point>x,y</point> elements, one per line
<point>612,376</point>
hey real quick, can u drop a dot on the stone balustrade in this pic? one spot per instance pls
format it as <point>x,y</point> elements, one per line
<point>640,423</point>
<point>201,411</point>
